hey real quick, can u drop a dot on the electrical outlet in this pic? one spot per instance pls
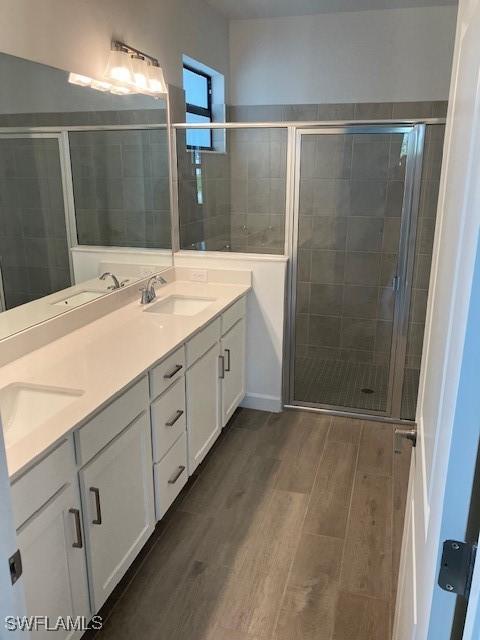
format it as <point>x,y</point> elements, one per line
<point>198,275</point>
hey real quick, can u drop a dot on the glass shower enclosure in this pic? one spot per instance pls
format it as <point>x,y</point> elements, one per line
<point>356,193</point>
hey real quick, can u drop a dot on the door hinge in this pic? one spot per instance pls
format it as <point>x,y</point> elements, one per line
<point>456,570</point>
<point>15,564</point>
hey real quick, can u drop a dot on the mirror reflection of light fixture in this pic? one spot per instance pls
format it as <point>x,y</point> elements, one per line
<point>77,78</point>
<point>128,71</point>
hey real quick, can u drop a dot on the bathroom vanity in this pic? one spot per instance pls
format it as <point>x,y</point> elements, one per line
<point>104,426</point>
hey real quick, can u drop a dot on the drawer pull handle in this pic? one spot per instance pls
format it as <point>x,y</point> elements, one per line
<point>176,369</point>
<point>221,360</point>
<point>227,366</point>
<point>78,529</point>
<point>177,416</point>
<point>176,475</point>
<point>96,493</point>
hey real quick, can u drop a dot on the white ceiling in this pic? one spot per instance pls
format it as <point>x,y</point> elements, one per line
<point>238,9</point>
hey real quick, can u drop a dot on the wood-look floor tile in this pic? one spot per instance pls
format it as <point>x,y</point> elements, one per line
<point>308,608</point>
<point>299,464</point>
<point>361,618</point>
<point>220,633</point>
<point>140,610</point>
<point>250,419</point>
<point>230,530</point>
<point>401,470</point>
<point>376,448</point>
<point>250,602</point>
<point>330,499</point>
<point>345,430</point>
<point>219,472</point>
<point>191,611</point>
<point>275,533</point>
<point>367,561</point>
<point>278,434</point>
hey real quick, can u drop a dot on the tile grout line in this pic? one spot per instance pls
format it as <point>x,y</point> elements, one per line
<point>294,554</point>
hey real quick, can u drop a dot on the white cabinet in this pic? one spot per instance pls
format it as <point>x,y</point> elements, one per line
<point>54,570</point>
<point>203,406</point>
<point>233,369</point>
<point>117,496</point>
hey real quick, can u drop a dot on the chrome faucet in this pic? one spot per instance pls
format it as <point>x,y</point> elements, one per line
<point>148,292</point>
<point>116,284</point>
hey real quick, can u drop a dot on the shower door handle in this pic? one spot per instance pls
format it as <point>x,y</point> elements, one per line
<point>396,283</point>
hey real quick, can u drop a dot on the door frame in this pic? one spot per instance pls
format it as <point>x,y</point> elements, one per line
<point>406,257</point>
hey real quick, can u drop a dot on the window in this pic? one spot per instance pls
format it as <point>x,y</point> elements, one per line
<point>198,93</point>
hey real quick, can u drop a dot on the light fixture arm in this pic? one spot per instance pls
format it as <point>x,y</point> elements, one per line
<point>121,46</point>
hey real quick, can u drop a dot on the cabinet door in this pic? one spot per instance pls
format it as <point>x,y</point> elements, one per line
<point>203,407</point>
<point>117,494</point>
<point>54,565</point>
<point>233,382</point>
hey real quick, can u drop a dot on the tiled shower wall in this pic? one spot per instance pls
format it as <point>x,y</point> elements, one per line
<point>203,198</point>
<point>311,295</point>
<point>350,205</point>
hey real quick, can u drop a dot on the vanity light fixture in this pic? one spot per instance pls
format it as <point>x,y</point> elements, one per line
<point>128,71</point>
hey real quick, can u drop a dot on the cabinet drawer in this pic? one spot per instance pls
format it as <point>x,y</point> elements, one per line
<point>170,476</point>
<point>168,419</point>
<point>40,483</point>
<point>203,341</point>
<point>233,315</point>
<point>165,373</point>
<point>111,421</point>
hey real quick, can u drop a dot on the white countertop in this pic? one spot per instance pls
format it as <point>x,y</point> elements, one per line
<point>104,357</point>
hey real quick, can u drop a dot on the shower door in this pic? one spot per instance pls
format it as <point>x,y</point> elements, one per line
<point>353,226</point>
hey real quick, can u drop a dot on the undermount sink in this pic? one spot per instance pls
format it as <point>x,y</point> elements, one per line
<point>79,298</point>
<point>25,407</point>
<point>180,305</point>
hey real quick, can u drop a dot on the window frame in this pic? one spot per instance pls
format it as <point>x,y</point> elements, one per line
<point>201,111</point>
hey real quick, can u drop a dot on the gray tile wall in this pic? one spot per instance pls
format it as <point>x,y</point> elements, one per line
<point>81,118</point>
<point>121,187</point>
<point>243,190</point>
<point>340,111</point>
<point>351,194</point>
<point>33,244</point>
<point>203,198</point>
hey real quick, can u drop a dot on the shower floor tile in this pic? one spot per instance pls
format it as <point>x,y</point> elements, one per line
<point>356,385</point>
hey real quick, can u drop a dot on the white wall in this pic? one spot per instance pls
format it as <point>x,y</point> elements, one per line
<point>75,35</point>
<point>368,56</point>
<point>265,318</point>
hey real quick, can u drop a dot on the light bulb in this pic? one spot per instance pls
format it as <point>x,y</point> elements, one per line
<point>119,67</point>
<point>101,85</point>
<point>139,72</point>
<point>156,80</point>
<point>119,90</point>
<point>82,81</point>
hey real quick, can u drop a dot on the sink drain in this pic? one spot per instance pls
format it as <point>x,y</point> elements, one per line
<point>367,390</point>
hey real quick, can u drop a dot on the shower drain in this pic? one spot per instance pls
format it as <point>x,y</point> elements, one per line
<point>367,390</point>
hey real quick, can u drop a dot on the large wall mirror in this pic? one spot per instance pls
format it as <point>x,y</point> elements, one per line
<point>84,190</point>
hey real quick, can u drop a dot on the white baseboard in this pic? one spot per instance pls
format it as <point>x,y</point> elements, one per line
<point>262,402</point>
